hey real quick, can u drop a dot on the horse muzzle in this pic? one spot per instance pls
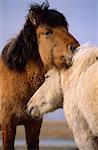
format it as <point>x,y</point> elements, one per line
<point>67,61</point>
<point>34,112</point>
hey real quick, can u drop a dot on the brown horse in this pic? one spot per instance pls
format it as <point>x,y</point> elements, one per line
<point>44,42</point>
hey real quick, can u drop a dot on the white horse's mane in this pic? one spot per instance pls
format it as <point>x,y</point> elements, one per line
<point>85,56</point>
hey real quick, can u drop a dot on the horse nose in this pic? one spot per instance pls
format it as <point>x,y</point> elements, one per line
<point>67,61</point>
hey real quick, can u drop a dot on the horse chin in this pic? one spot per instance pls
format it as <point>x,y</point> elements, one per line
<point>35,113</point>
<point>37,117</point>
<point>67,65</point>
<point>66,62</point>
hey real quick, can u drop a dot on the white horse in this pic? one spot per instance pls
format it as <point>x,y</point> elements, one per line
<point>76,89</point>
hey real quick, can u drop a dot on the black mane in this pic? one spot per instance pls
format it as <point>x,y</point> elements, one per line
<point>50,17</point>
<point>25,46</point>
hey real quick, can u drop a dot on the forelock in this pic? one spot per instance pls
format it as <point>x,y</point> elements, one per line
<point>50,17</point>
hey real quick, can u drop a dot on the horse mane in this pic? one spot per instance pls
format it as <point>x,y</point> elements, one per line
<point>50,17</point>
<point>25,46</point>
<point>20,49</point>
<point>85,56</point>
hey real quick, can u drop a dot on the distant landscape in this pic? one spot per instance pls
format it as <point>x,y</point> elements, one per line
<point>55,135</point>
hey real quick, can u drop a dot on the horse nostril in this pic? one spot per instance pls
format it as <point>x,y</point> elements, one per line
<point>67,60</point>
<point>29,111</point>
<point>72,48</point>
<point>63,57</point>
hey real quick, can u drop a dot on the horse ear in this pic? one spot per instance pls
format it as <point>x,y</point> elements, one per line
<point>33,18</point>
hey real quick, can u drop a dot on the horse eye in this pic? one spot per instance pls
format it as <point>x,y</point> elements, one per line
<point>72,48</point>
<point>47,33</point>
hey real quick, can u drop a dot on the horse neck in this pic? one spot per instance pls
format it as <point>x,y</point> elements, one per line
<point>68,78</point>
<point>35,74</point>
<point>34,68</point>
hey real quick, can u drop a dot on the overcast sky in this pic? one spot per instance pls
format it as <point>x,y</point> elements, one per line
<point>82,16</point>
